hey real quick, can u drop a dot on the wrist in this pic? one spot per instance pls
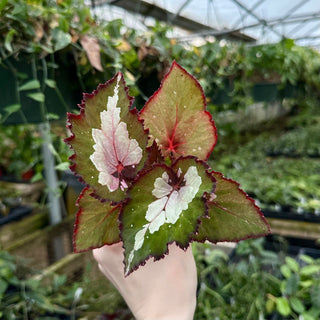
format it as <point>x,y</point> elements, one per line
<point>179,313</point>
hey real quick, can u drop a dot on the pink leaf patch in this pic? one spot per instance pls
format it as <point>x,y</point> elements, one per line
<point>115,153</point>
<point>108,140</point>
<point>177,119</point>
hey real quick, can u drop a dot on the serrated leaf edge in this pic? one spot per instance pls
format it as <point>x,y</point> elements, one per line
<point>80,116</point>
<point>77,223</point>
<point>253,204</point>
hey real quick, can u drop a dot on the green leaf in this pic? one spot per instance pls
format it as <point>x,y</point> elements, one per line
<point>147,228</point>
<point>289,43</point>
<point>52,116</point>
<point>96,223</point>
<point>3,287</point>
<point>306,283</point>
<point>3,3</point>
<point>296,305</point>
<point>270,304</point>
<point>315,295</point>
<point>59,281</point>
<point>292,264</point>
<point>63,24</point>
<point>62,166</point>
<point>51,83</point>
<point>307,259</point>
<point>286,271</point>
<point>233,216</point>
<point>283,306</point>
<point>12,108</point>
<point>37,177</point>
<point>61,39</point>
<point>310,270</point>
<point>177,119</point>
<point>30,85</point>
<point>292,284</point>
<point>46,49</point>
<point>309,316</point>
<point>22,76</point>
<point>44,302</point>
<point>37,96</point>
<point>8,40</point>
<point>82,141</point>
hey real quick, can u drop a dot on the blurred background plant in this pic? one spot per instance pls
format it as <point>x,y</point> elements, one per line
<point>27,293</point>
<point>250,283</point>
<point>20,150</point>
<point>255,283</point>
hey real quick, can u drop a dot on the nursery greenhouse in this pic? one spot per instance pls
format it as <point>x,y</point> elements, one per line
<point>174,144</point>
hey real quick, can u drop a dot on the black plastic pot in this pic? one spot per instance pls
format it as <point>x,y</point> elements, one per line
<point>15,214</point>
<point>295,246</point>
<point>72,181</point>
<point>290,215</point>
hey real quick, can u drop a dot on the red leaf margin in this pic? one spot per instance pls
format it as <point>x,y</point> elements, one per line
<point>253,204</point>
<point>176,65</point>
<point>77,223</point>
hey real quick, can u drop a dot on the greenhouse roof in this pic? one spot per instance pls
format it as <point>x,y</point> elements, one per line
<point>259,21</point>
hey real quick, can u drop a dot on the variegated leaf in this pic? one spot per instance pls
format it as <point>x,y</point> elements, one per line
<point>177,119</point>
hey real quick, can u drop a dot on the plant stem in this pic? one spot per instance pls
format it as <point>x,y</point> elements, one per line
<point>43,108</point>
<point>57,90</point>
<point>83,88</point>
<point>16,84</point>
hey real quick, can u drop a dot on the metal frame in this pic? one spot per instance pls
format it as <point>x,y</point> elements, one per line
<point>239,28</point>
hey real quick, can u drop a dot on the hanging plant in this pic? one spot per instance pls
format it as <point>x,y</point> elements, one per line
<point>147,179</point>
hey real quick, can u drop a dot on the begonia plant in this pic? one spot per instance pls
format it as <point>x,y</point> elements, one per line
<point>147,180</point>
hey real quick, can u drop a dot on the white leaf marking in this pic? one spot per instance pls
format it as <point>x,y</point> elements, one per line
<point>113,149</point>
<point>155,208</point>
<point>169,205</point>
<point>161,186</point>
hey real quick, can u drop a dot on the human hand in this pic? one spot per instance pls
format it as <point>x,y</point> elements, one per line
<point>161,290</point>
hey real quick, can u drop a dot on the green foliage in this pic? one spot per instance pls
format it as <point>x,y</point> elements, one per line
<point>299,142</point>
<point>41,26</point>
<point>299,289</point>
<point>235,289</point>
<point>227,71</point>
<point>250,286</point>
<point>285,157</point>
<point>25,294</point>
<point>27,297</point>
<point>286,186</point>
<point>20,148</point>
